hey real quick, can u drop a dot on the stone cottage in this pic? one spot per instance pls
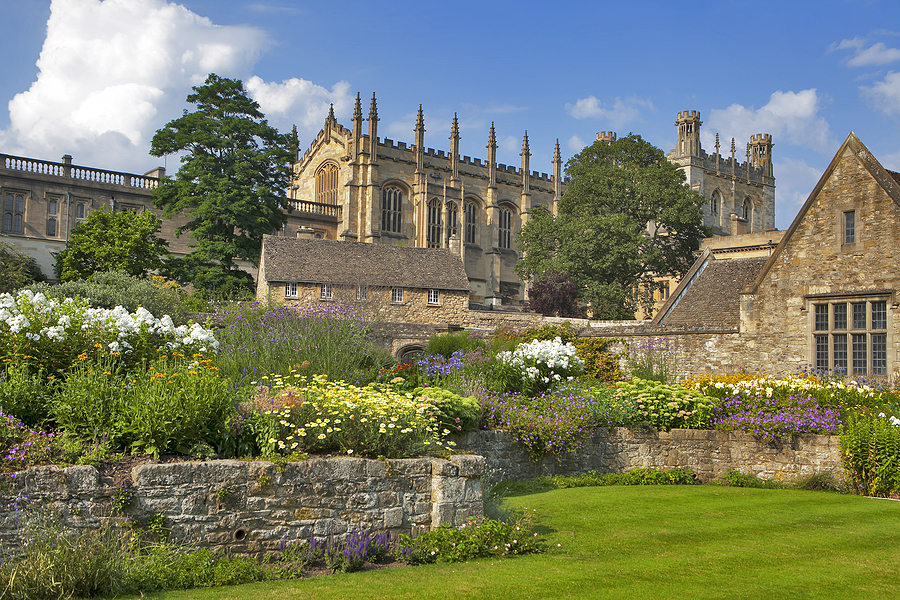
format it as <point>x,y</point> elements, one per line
<point>826,298</point>
<point>394,283</point>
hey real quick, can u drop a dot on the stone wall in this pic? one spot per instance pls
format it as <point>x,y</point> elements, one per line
<point>252,507</point>
<point>707,453</point>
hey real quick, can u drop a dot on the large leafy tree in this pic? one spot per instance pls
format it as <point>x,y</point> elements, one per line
<point>105,241</point>
<point>626,217</point>
<point>234,173</point>
<point>17,269</point>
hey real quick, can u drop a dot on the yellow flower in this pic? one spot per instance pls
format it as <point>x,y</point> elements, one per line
<point>321,436</point>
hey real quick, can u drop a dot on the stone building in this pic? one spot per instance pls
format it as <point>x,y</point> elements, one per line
<point>379,191</point>
<point>392,283</point>
<point>827,297</point>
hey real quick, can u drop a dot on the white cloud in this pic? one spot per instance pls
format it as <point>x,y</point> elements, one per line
<point>788,116</point>
<point>576,144</point>
<point>890,161</point>
<point>298,101</point>
<point>795,182</point>
<point>885,94</point>
<point>621,113</point>
<point>111,73</point>
<point>509,145</point>
<point>876,54</point>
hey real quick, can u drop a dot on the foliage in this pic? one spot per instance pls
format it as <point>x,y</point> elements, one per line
<point>535,366</point>
<point>626,218</point>
<point>446,344</point>
<point>565,331</point>
<point>112,241</point>
<point>772,418</point>
<point>665,406</point>
<point>434,367</point>
<point>17,269</point>
<point>870,452</point>
<point>556,295</point>
<point>652,358</point>
<point>599,363</point>
<point>315,415</point>
<point>211,282</point>
<point>260,339</point>
<point>26,391</point>
<point>474,539</point>
<point>457,413</point>
<point>109,289</point>
<point>22,446</point>
<point>234,171</point>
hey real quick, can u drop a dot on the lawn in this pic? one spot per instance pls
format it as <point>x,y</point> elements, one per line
<point>654,542</point>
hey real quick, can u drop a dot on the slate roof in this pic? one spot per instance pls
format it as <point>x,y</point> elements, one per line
<point>354,263</point>
<point>713,298</point>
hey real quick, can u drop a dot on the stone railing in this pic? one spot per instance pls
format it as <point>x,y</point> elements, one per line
<point>330,210</point>
<point>253,507</point>
<point>708,453</point>
<point>69,171</point>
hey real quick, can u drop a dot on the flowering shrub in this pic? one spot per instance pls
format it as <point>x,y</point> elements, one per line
<point>51,333</point>
<point>653,359</point>
<point>473,539</point>
<point>454,412</point>
<point>436,366</point>
<point>772,418</point>
<point>535,366</point>
<point>665,406</point>
<point>870,451</point>
<point>318,415</point>
<point>22,446</point>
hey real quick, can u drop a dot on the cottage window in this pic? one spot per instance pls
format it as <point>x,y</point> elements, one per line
<point>850,335</point>
<point>327,184</point>
<point>505,228</point>
<point>471,223</point>
<point>362,293</point>
<point>397,295</point>
<point>850,227</point>
<point>290,290</point>
<point>434,297</point>
<point>434,223</point>
<point>14,213</point>
<point>327,292</point>
<point>391,201</point>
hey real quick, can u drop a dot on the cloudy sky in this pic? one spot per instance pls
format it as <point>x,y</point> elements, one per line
<point>96,79</point>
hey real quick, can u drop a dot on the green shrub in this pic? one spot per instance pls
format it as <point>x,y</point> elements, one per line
<point>566,332</point>
<point>446,344</point>
<point>870,452</point>
<point>26,392</point>
<point>598,362</point>
<point>474,539</point>
<point>665,406</point>
<point>653,359</point>
<point>458,414</point>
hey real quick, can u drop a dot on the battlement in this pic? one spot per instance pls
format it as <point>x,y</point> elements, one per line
<point>760,138</point>
<point>688,115</point>
<point>606,136</point>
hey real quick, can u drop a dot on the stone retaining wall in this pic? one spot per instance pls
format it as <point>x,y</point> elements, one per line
<point>251,507</point>
<point>707,453</point>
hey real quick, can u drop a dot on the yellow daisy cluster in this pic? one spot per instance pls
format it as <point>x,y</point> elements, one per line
<point>768,386</point>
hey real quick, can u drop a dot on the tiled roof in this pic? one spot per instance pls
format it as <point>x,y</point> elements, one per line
<point>713,299</point>
<point>355,263</point>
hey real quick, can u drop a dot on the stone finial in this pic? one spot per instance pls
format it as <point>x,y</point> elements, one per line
<point>492,138</point>
<point>357,110</point>
<point>373,109</point>
<point>454,129</point>
<point>557,157</point>
<point>420,120</point>
<point>717,143</point>
<point>732,148</point>
<point>525,149</point>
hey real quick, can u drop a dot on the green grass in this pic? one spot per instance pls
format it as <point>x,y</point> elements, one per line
<point>654,542</point>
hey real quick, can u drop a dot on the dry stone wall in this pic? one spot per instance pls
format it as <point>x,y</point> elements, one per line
<point>253,507</point>
<point>708,453</point>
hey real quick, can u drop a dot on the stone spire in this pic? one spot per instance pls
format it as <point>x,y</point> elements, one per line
<point>492,157</point>
<point>557,174</point>
<point>357,127</point>
<point>454,151</point>
<point>330,121</point>
<point>420,142</point>
<point>526,162</point>
<point>373,131</point>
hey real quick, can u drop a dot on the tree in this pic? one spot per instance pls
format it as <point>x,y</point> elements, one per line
<point>555,295</point>
<point>234,173</point>
<point>626,218</point>
<point>17,269</point>
<point>106,241</point>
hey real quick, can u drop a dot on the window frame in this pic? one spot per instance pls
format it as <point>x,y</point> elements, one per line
<point>14,206</point>
<point>504,228</point>
<point>291,289</point>
<point>848,236</point>
<point>326,291</point>
<point>434,224</point>
<point>392,209</point>
<point>362,293</point>
<point>326,183</point>
<point>854,337</point>
<point>434,297</point>
<point>471,224</point>
<point>396,295</point>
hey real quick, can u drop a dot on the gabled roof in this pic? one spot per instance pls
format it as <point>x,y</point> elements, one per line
<point>888,180</point>
<point>357,263</point>
<point>710,293</point>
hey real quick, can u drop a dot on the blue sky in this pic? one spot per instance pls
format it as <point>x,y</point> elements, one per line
<point>96,79</point>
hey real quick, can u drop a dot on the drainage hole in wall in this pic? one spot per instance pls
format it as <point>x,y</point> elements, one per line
<point>239,535</point>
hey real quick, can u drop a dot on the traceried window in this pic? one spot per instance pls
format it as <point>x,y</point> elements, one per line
<point>14,213</point>
<point>850,227</point>
<point>505,228</point>
<point>715,206</point>
<point>747,210</point>
<point>326,292</point>
<point>391,202</point>
<point>52,216</point>
<point>850,335</point>
<point>290,290</point>
<point>327,184</point>
<point>434,223</point>
<point>471,222</point>
<point>397,295</point>
<point>434,297</point>
<point>452,220</point>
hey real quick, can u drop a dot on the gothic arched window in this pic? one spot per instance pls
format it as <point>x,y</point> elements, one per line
<point>327,184</point>
<point>391,202</point>
<point>434,223</point>
<point>747,210</point>
<point>505,228</point>
<point>452,220</point>
<point>471,222</point>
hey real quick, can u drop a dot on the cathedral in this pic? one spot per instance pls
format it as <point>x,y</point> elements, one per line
<point>352,186</point>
